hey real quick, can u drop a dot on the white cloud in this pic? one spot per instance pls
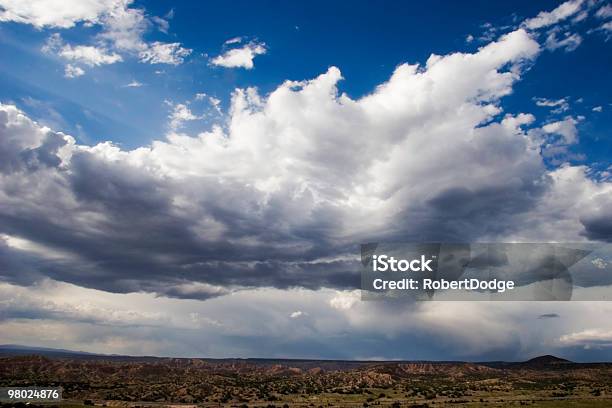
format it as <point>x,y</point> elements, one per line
<point>216,103</point>
<point>598,109</point>
<point>604,12</point>
<point>123,28</point>
<point>71,71</point>
<point>88,55</point>
<point>179,115</point>
<point>344,300</point>
<point>569,42</point>
<point>235,40</point>
<point>548,18</point>
<point>599,263</point>
<point>559,105</point>
<point>240,57</point>
<point>56,13</point>
<point>134,84</point>
<point>565,128</point>
<point>164,53</point>
<point>469,38</point>
<point>297,314</point>
<point>606,26</point>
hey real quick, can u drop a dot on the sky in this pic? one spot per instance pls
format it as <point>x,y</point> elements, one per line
<point>195,178</point>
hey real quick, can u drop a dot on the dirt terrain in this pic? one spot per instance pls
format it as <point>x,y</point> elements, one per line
<point>147,381</point>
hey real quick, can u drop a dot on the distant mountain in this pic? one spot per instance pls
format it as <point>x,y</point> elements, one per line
<point>19,350</point>
<point>19,347</point>
<point>303,364</point>
<point>546,360</point>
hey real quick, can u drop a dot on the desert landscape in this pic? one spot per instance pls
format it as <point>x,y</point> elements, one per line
<point>102,380</point>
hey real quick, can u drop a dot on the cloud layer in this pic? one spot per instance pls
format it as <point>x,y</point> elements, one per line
<point>284,194</point>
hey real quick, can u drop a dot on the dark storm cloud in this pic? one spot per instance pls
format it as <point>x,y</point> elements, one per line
<point>549,316</point>
<point>598,227</point>
<point>118,227</point>
<point>464,214</point>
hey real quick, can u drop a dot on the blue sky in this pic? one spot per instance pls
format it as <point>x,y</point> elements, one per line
<point>195,178</point>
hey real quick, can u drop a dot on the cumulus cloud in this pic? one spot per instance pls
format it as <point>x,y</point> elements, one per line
<point>240,57</point>
<point>282,194</point>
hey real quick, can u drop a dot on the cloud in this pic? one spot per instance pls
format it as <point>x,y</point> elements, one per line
<point>240,57</point>
<point>56,314</point>
<point>559,105</point>
<point>280,196</point>
<point>164,53</point>
<point>72,71</point>
<point>569,43</point>
<point>599,263</point>
<point>56,14</point>
<point>598,109</point>
<point>122,29</point>
<point>548,18</point>
<point>606,26</point>
<point>591,338</point>
<point>88,55</point>
<point>565,128</point>
<point>179,115</point>
<point>134,84</point>
<point>22,303</point>
<point>548,316</point>
<point>125,27</point>
<point>235,40</point>
<point>604,12</point>
<point>162,24</point>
